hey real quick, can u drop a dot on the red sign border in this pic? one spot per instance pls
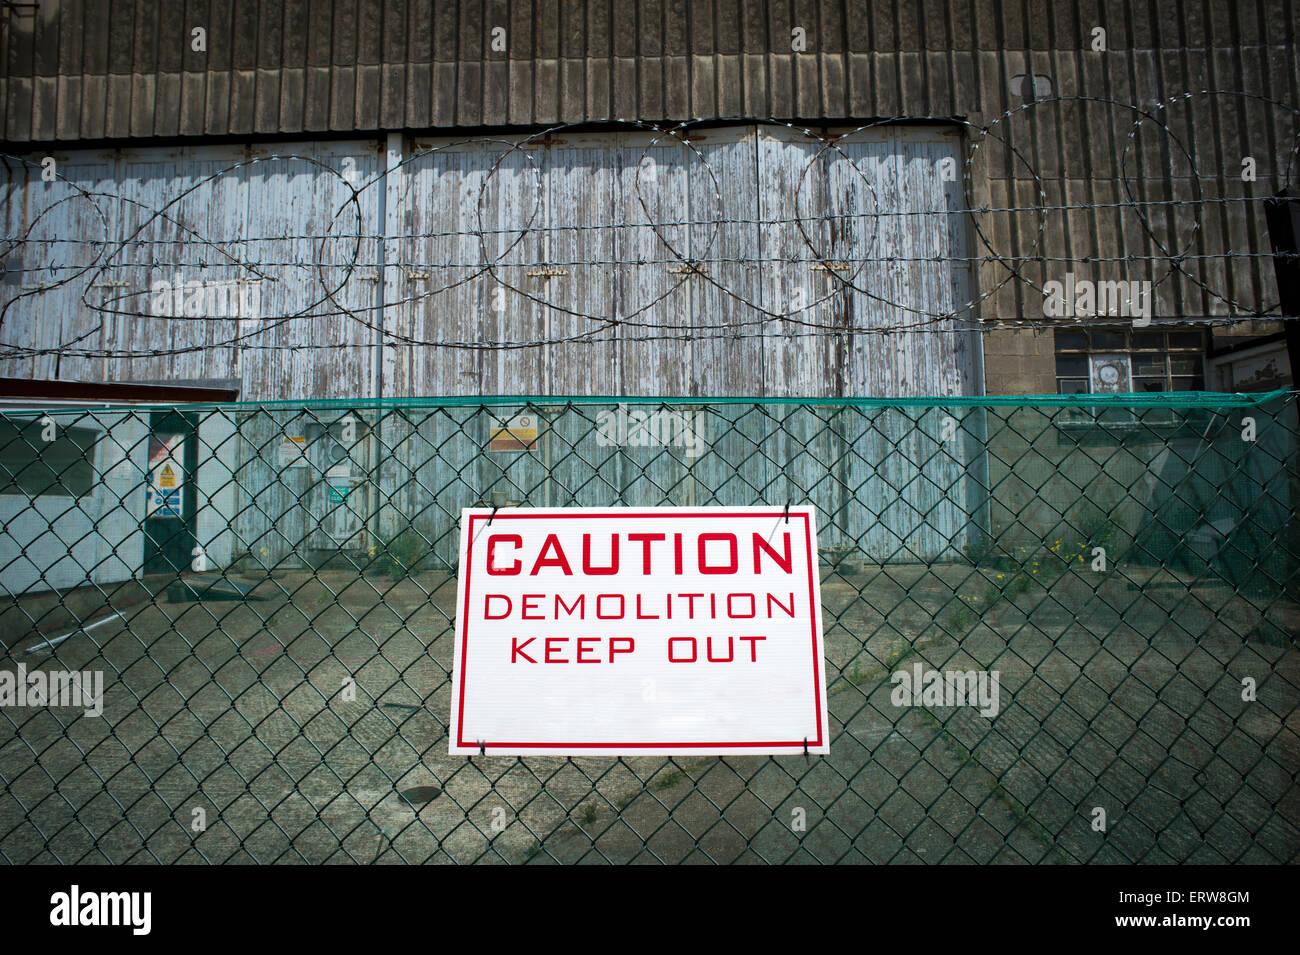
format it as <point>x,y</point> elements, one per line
<point>779,513</point>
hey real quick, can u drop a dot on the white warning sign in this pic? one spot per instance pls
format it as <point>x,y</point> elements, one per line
<point>292,451</point>
<point>638,631</point>
<point>165,492</point>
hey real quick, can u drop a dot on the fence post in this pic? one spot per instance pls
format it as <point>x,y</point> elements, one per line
<point>1282,212</point>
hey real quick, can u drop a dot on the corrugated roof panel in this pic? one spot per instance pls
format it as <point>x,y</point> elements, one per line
<point>243,98</point>
<point>316,102</point>
<point>648,37</point>
<point>367,114</point>
<point>94,69</point>
<point>598,88</point>
<point>371,30</point>
<point>220,26</point>
<point>291,98</point>
<point>167,105</point>
<point>296,34</point>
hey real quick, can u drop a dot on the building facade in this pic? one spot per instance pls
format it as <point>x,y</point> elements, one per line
<point>840,198</point>
<point>365,201</point>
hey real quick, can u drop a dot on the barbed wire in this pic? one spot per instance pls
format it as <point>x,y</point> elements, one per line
<point>733,220</point>
<point>741,275</point>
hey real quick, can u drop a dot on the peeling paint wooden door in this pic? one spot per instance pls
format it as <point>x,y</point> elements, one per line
<point>744,260</point>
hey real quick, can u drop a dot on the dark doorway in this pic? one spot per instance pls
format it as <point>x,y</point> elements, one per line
<point>170,495</point>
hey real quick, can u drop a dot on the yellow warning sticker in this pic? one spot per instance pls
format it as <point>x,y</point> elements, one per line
<point>168,477</point>
<point>517,434</point>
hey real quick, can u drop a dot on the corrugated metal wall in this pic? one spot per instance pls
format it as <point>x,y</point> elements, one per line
<point>1181,93</point>
<point>90,69</point>
<point>586,236</point>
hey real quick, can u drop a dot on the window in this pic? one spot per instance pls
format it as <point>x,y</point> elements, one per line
<point>1110,360</point>
<point>34,467</point>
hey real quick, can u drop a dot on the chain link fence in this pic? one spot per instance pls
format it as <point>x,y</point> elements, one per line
<point>229,630</point>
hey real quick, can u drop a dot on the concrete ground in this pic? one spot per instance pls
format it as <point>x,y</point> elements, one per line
<point>1122,693</point>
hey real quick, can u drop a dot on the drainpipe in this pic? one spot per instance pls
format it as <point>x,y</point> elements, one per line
<point>392,159</point>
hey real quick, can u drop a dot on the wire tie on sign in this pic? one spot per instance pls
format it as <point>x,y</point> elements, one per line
<point>492,515</point>
<point>482,748</point>
<point>787,520</point>
<point>805,747</point>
